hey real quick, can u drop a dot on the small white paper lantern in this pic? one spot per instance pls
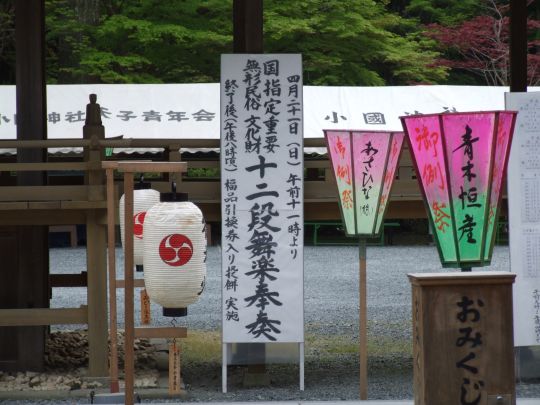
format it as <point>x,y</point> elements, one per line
<point>174,255</point>
<point>143,200</point>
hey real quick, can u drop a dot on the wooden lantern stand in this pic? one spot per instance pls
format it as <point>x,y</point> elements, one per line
<point>128,169</point>
<point>362,336</point>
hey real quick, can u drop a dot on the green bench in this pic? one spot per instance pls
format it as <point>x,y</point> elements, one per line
<point>379,241</point>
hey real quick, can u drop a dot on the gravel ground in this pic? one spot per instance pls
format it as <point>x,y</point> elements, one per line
<point>331,314</point>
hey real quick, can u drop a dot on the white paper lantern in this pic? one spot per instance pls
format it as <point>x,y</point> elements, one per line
<point>143,200</point>
<point>174,254</point>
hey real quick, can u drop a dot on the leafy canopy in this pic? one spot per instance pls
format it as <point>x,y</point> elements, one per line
<point>358,42</point>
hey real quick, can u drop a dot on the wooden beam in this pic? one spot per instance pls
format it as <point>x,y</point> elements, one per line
<point>48,193</point>
<point>159,167</point>
<point>247,26</point>
<point>96,247</point>
<point>57,166</point>
<point>518,45</point>
<point>30,278</point>
<point>69,280</point>
<point>137,283</point>
<point>42,217</point>
<point>166,332</point>
<point>83,205</point>
<point>40,144</point>
<point>43,316</point>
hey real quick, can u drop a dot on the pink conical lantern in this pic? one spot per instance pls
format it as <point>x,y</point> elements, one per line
<point>364,164</point>
<point>460,161</point>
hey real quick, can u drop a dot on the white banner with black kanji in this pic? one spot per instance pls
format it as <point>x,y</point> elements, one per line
<point>262,198</point>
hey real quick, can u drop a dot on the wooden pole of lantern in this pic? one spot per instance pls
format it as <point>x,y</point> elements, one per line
<point>362,336</point>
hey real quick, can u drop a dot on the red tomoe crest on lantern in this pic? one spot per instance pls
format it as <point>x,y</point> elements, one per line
<point>138,221</point>
<point>176,250</point>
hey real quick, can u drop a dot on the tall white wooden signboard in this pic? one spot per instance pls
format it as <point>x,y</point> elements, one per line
<point>524,216</point>
<point>262,200</point>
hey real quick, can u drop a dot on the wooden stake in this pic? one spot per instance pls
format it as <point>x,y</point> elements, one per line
<point>363,319</point>
<point>129,359</point>
<point>113,361</point>
<point>145,308</point>
<point>175,379</point>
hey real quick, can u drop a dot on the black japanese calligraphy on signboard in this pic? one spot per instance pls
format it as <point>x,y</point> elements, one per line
<point>470,340</point>
<point>262,198</point>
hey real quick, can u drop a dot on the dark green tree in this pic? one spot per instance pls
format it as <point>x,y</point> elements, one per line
<point>445,12</point>
<point>350,43</point>
<point>153,41</point>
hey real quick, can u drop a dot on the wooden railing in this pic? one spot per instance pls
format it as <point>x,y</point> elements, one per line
<point>319,185</point>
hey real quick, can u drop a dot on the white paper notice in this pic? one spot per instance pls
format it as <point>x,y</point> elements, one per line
<point>262,198</point>
<point>524,216</point>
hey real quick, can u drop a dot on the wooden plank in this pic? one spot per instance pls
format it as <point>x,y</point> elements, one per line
<point>96,246</point>
<point>43,316</point>
<point>111,261</point>
<point>137,283</point>
<point>129,321</point>
<point>46,193</point>
<point>175,379</point>
<point>463,278</point>
<point>42,217</point>
<point>44,205</point>
<point>83,205</point>
<point>170,143</point>
<point>48,166</point>
<point>9,206</point>
<point>165,332</point>
<point>49,143</point>
<point>158,167</point>
<point>69,280</point>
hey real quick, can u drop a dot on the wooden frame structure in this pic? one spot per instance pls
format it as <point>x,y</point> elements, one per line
<point>128,169</point>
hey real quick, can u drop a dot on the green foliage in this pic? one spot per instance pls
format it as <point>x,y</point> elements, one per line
<point>349,43</point>
<point>446,12</point>
<point>180,41</point>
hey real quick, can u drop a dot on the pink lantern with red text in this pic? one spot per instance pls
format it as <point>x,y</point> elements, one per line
<point>461,161</point>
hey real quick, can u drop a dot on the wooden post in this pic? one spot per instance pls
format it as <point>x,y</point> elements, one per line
<point>129,355</point>
<point>111,235</point>
<point>24,275</point>
<point>248,38</point>
<point>97,297</point>
<point>247,26</point>
<point>128,169</point>
<point>518,45</point>
<point>362,335</point>
<point>96,246</point>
